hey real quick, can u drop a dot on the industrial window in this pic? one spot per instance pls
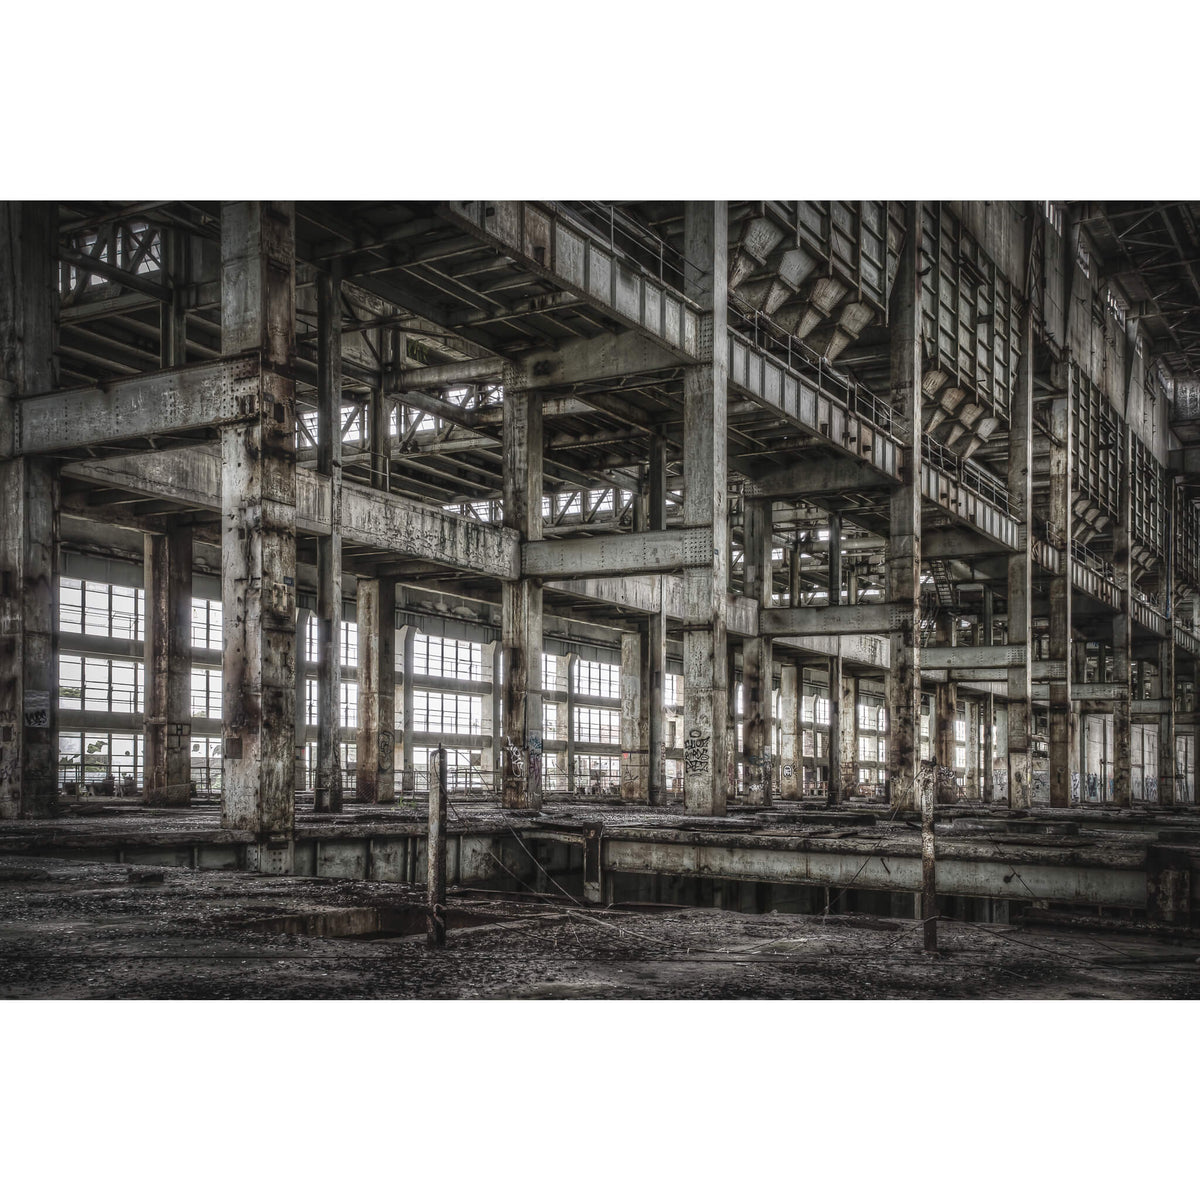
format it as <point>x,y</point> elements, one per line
<point>550,680</point>
<point>960,731</point>
<point>347,641</point>
<point>347,703</point>
<point>206,693</point>
<point>597,772</point>
<point>99,684</point>
<point>101,609</point>
<point>672,690</point>
<point>206,624</point>
<point>597,725</point>
<point>91,758</point>
<point>447,658</point>
<point>597,679</point>
<point>868,748</point>
<point>550,722</point>
<point>817,704</point>
<point>447,712</point>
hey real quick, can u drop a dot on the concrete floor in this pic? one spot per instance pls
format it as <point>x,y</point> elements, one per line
<point>110,931</point>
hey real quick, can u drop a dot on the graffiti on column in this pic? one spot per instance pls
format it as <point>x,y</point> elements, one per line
<point>696,753</point>
<point>515,759</point>
<point>1000,785</point>
<point>1075,785</point>
<point>534,742</point>
<point>1093,786</point>
<point>387,742</point>
<point>1152,789</point>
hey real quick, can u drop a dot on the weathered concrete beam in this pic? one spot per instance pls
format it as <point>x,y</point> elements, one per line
<point>664,550</point>
<point>968,657</point>
<point>607,356</point>
<point>832,475</point>
<point>447,374</point>
<point>151,405</point>
<point>370,518</point>
<point>829,620</point>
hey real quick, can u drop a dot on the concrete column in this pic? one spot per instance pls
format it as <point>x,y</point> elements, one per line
<point>379,421</point>
<point>496,700</point>
<point>654,669</point>
<point>903,686</point>
<point>835,558</point>
<point>1165,687</point>
<point>522,600</point>
<point>973,781</point>
<point>328,788</point>
<point>29,529</point>
<point>945,713</point>
<point>1064,751</point>
<point>705,463</point>
<point>731,724</point>
<point>988,710</point>
<point>789,728</point>
<point>654,657</point>
<point>1020,493</point>
<point>847,731</point>
<point>634,781</point>
<point>258,531</point>
<point>167,644</point>
<point>1122,665</point>
<point>375,772</point>
<point>572,721</point>
<point>173,311</point>
<point>300,723</point>
<point>408,775</point>
<point>1167,769</point>
<point>757,668</point>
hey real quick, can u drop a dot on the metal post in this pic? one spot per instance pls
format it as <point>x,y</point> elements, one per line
<point>435,855</point>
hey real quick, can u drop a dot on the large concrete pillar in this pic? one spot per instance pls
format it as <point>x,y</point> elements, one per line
<point>29,529</point>
<point>1167,768</point>
<point>945,713</point>
<point>903,686</point>
<point>258,530</point>
<point>790,744</point>
<point>328,787</point>
<point>407,635</point>
<point>1064,751</point>
<point>1020,496</point>
<point>522,599</point>
<point>167,646</point>
<point>496,703</point>
<point>1122,664</point>
<point>757,668</point>
<point>300,725</point>
<point>988,709</point>
<point>705,463</point>
<point>973,782</point>
<point>572,725</point>
<point>654,671</point>
<point>375,771</point>
<point>654,662</point>
<point>634,776</point>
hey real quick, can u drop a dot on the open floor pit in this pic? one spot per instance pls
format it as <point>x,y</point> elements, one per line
<point>72,929</point>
